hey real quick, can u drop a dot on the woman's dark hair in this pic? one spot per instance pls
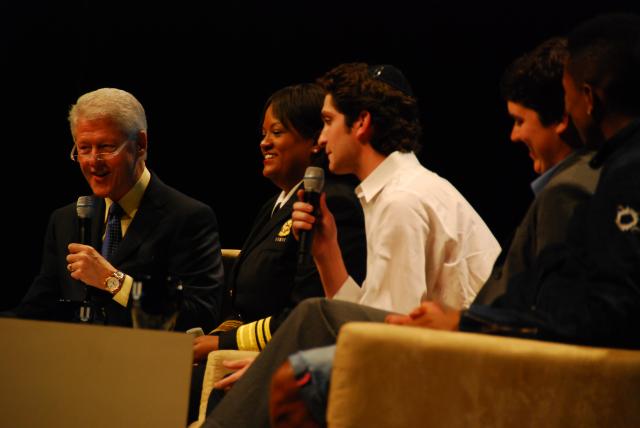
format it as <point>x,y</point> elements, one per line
<point>298,108</point>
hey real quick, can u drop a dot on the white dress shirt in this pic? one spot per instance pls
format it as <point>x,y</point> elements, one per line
<point>423,237</point>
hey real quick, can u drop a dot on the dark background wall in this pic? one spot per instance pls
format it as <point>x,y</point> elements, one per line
<point>203,70</point>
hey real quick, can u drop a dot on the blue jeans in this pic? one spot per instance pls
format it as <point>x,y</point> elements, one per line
<point>312,368</point>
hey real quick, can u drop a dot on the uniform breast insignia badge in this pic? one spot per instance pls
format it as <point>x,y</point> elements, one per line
<point>285,230</point>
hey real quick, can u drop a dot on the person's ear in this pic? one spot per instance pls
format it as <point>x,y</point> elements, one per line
<point>363,125</point>
<point>315,146</point>
<point>562,125</point>
<point>589,96</point>
<point>141,142</point>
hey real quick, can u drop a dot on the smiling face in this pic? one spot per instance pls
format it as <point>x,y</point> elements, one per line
<point>546,148</point>
<point>115,176</point>
<point>338,140</point>
<point>286,154</point>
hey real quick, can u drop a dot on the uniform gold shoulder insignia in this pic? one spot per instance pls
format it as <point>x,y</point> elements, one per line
<point>627,219</point>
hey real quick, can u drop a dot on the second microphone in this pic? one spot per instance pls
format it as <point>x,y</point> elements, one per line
<point>313,184</point>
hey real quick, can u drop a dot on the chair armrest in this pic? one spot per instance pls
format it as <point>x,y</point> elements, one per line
<point>230,253</point>
<point>213,373</point>
<point>387,375</point>
<point>229,257</point>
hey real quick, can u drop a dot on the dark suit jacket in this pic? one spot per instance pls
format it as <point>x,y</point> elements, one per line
<point>546,221</point>
<point>266,279</point>
<point>171,234</point>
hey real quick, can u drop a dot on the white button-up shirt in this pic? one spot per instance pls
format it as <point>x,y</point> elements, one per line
<point>423,237</point>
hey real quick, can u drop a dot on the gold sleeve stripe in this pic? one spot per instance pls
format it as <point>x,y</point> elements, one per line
<point>263,332</point>
<point>246,338</point>
<point>259,334</point>
<point>254,336</point>
<point>267,329</point>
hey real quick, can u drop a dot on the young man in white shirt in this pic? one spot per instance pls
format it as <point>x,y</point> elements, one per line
<point>423,237</point>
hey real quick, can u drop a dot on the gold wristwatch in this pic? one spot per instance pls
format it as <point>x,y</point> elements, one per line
<point>114,282</point>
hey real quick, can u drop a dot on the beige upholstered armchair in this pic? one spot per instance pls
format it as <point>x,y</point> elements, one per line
<point>392,376</point>
<point>213,373</point>
<point>229,257</point>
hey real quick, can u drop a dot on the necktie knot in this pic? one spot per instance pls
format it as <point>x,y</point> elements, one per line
<point>115,211</point>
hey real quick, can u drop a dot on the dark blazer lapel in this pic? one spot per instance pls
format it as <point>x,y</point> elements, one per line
<point>147,219</point>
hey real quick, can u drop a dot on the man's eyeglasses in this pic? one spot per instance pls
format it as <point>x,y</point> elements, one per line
<point>104,154</point>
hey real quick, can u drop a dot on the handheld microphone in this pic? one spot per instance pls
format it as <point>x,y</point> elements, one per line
<point>84,209</point>
<point>313,184</point>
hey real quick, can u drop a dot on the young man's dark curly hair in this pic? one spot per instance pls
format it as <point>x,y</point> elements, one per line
<point>383,92</point>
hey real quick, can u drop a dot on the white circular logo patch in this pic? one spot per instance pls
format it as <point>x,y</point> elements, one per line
<point>627,219</point>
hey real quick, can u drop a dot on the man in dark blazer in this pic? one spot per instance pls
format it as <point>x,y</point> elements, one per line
<point>151,229</point>
<point>587,290</point>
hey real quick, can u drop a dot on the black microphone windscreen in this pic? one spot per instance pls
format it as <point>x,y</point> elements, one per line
<point>313,185</point>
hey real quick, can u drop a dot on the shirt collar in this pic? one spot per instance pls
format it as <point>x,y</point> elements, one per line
<point>283,198</point>
<point>384,173</point>
<point>131,201</point>
<point>540,183</point>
